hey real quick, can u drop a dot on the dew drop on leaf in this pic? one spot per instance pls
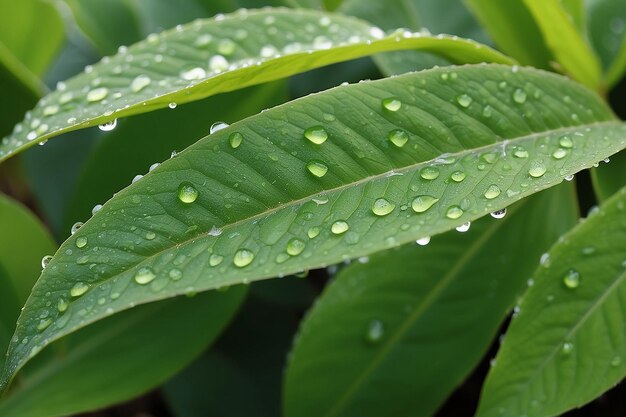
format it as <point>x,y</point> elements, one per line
<point>464,227</point>
<point>566,142</point>
<point>429,173</point>
<point>62,305</point>
<point>571,279</point>
<point>317,168</point>
<point>567,348</point>
<point>464,100</point>
<point>243,258</point>
<point>217,126</point>
<point>108,126</point>
<point>81,242</point>
<point>45,261</point>
<point>560,153</point>
<point>215,259</point>
<point>313,232</point>
<point>498,214</point>
<point>144,275</point>
<point>172,105</point>
<point>458,176</point>
<point>520,152</point>
<point>235,139</point>
<point>96,208</point>
<point>382,207</point>
<point>537,169</point>
<point>316,134</point>
<point>423,241</point>
<point>295,247</point>
<point>492,192</point>
<point>187,193</point>
<point>196,73</point>
<point>339,227</point>
<point>398,137</point>
<point>75,227</point>
<point>454,212</point>
<point>375,331</point>
<point>519,96</point>
<point>422,203</point>
<point>139,83</point>
<point>97,94</point>
<point>44,324</point>
<point>175,274</point>
<point>79,289</point>
<point>392,104</point>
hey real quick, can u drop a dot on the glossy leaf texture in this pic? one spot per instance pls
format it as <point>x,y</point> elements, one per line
<point>569,46</point>
<point>214,56</point>
<point>567,344</point>
<point>607,34</point>
<point>513,29</point>
<point>389,319</point>
<point>120,357</point>
<point>337,175</point>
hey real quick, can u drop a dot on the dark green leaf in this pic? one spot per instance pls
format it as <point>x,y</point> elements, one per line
<point>241,204</point>
<point>213,56</point>
<point>415,321</point>
<point>567,344</point>
<point>609,178</point>
<point>607,33</point>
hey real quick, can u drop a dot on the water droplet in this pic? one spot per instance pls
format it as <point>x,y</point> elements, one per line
<point>243,258</point>
<point>150,235</point>
<point>454,212</point>
<point>172,105</point>
<point>217,126</point>
<point>175,274</point>
<point>75,227</point>
<point>571,279</point>
<point>498,214</point>
<point>44,324</point>
<point>187,193</point>
<point>545,260</point>
<point>108,126</point>
<point>616,361</point>
<point>422,203</point>
<point>537,169</point>
<point>519,96</point>
<point>487,111</point>
<point>567,348</point>
<point>316,134</point>
<point>382,207</point>
<point>144,275</point>
<point>423,241</point>
<point>458,176</point>
<point>569,177</point>
<point>45,261</point>
<point>196,73</point>
<point>215,259</point>
<point>97,94</point>
<point>295,247</point>
<point>313,232</point>
<point>139,83</point>
<point>492,192</point>
<point>81,242</point>
<point>339,227</point>
<point>218,63</point>
<point>392,104</point>
<point>429,173</point>
<point>62,305</point>
<point>50,110</point>
<point>96,209</point>
<point>464,227</point>
<point>398,137</point>
<point>560,153</point>
<point>520,152</point>
<point>375,331</point>
<point>317,168</point>
<point>464,100</point>
<point>79,289</point>
<point>566,142</point>
<point>235,139</point>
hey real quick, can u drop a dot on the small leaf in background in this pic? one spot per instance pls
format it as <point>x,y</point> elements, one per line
<point>281,201</point>
<point>609,177</point>
<point>607,33</point>
<point>214,56</point>
<point>121,357</point>
<point>567,344</point>
<point>408,325</point>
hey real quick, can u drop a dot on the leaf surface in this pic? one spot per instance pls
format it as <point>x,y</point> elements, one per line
<point>609,178</point>
<point>607,33</point>
<point>393,316</point>
<point>214,56</point>
<point>567,345</point>
<point>336,175</point>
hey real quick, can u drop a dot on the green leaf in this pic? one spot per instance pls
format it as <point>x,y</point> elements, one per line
<point>393,316</point>
<point>241,204</point>
<point>567,344</point>
<point>213,56</point>
<point>575,9</point>
<point>146,346</point>
<point>514,30</point>
<point>570,48</point>
<point>609,178</point>
<point>607,33</point>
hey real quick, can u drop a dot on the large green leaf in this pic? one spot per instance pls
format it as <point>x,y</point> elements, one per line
<point>393,316</point>
<point>607,33</point>
<point>513,29</point>
<point>120,357</point>
<point>218,55</point>
<point>569,46</point>
<point>567,345</point>
<point>401,158</point>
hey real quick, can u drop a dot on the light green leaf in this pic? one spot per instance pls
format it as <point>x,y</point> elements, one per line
<point>607,33</point>
<point>567,345</point>
<point>513,29</point>
<point>300,186</point>
<point>393,316</point>
<point>128,354</point>
<point>609,178</point>
<point>213,56</point>
<point>575,9</point>
<point>569,46</point>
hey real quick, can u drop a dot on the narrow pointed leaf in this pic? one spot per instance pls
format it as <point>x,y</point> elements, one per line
<point>569,46</point>
<point>394,315</point>
<point>299,186</point>
<point>214,56</point>
<point>607,34</point>
<point>567,345</point>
